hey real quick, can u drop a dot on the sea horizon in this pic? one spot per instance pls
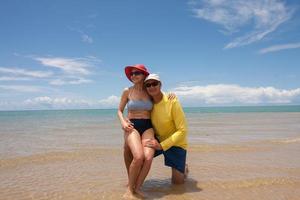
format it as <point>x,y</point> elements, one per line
<point>222,108</point>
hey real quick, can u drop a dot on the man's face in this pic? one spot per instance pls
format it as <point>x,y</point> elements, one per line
<point>153,87</point>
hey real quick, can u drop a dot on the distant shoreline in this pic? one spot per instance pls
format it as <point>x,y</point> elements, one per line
<point>200,109</point>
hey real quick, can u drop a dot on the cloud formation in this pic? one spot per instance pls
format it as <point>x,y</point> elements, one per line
<point>73,81</point>
<point>280,47</point>
<point>21,88</point>
<point>110,102</point>
<point>209,95</point>
<point>22,72</point>
<point>72,71</point>
<point>68,65</point>
<point>12,78</point>
<point>222,94</point>
<point>87,39</point>
<point>46,102</point>
<point>264,17</point>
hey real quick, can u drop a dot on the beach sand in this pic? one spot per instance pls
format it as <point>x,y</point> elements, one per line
<point>231,156</point>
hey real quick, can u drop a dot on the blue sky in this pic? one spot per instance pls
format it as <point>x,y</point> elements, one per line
<point>72,54</point>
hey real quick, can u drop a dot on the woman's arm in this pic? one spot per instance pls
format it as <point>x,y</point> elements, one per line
<point>126,125</point>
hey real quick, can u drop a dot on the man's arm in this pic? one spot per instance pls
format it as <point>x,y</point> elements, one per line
<point>180,125</point>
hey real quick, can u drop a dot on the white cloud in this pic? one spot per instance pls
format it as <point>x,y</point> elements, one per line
<point>68,65</point>
<point>57,82</point>
<point>13,78</point>
<point>46,102</point>
<point>223,94</point>
<point>55,103</point>
<point>279,47</point>
<point>264,16</point>
<point>23,72</point>
<point>87,39</point>
<point>21,88</point>
<point>74,69</point>
<point>110,102</point>
<point>77,81</point>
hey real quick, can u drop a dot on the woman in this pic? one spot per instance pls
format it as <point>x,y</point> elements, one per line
<point>137,128</point>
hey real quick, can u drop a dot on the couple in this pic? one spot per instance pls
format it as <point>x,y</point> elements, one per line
<point>149,110</point>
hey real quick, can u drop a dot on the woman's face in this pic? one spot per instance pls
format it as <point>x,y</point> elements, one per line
<point>137,76</point>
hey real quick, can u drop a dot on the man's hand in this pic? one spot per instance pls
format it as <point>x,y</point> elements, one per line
<point>152,143</point>
<point>171,96</point>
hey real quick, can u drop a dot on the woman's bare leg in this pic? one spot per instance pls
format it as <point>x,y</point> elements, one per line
<point>148,153</point>
<point>133,140</point>
<point>127,157</point>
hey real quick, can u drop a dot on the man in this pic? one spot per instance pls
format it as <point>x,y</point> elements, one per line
<point>170,127</point>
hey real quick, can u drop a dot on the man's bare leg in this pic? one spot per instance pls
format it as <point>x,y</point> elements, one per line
<point>186,171</point>
<point>177,177</point>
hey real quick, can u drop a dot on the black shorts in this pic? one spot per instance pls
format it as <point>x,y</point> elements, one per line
<point>141,125</point>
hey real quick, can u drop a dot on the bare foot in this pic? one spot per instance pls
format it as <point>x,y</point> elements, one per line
<point>139,193</point>
<point>186,171</point>
<point>128,195</point>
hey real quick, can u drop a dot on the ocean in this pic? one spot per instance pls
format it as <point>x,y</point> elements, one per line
<point>234,153</point>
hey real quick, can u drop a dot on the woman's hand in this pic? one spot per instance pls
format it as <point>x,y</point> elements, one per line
<point>172,96</point>
<point>127,126</point>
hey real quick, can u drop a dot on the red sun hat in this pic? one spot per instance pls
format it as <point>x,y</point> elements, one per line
<point>140,67</point>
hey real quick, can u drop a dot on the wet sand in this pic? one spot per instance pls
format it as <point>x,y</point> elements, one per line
<point>231,156</point>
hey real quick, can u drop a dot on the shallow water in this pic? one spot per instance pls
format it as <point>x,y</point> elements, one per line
<point>231,156</point>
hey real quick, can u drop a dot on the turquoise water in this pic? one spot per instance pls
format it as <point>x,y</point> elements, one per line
<point>104,113</point>
<point>56,117</point>
<point>77,154</point>
<point>110,114</point>
<point>31,132</point>
<point>243,109</point>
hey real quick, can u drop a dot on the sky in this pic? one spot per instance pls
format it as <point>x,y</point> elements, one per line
<point>64,54</point>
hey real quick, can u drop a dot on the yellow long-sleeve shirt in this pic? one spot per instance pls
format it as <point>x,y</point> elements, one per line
<point>169,123</point>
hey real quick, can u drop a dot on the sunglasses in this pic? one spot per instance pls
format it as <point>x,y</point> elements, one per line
<point>136,73</point>
<point>153,84</point>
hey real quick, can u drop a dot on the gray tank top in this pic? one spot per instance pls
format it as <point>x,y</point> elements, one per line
<point>139,104</point>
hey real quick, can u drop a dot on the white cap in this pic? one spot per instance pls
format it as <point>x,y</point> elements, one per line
<point>152,77</point>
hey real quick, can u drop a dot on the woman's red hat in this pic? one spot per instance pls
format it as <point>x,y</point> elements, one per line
<point>140,67</point>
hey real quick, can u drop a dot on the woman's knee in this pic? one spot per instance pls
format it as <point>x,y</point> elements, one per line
<point>149,157</point>
<point>138,159</point>
<point>126,149</point>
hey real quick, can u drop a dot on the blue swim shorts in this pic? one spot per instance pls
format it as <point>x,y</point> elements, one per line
<point>175,157</point>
